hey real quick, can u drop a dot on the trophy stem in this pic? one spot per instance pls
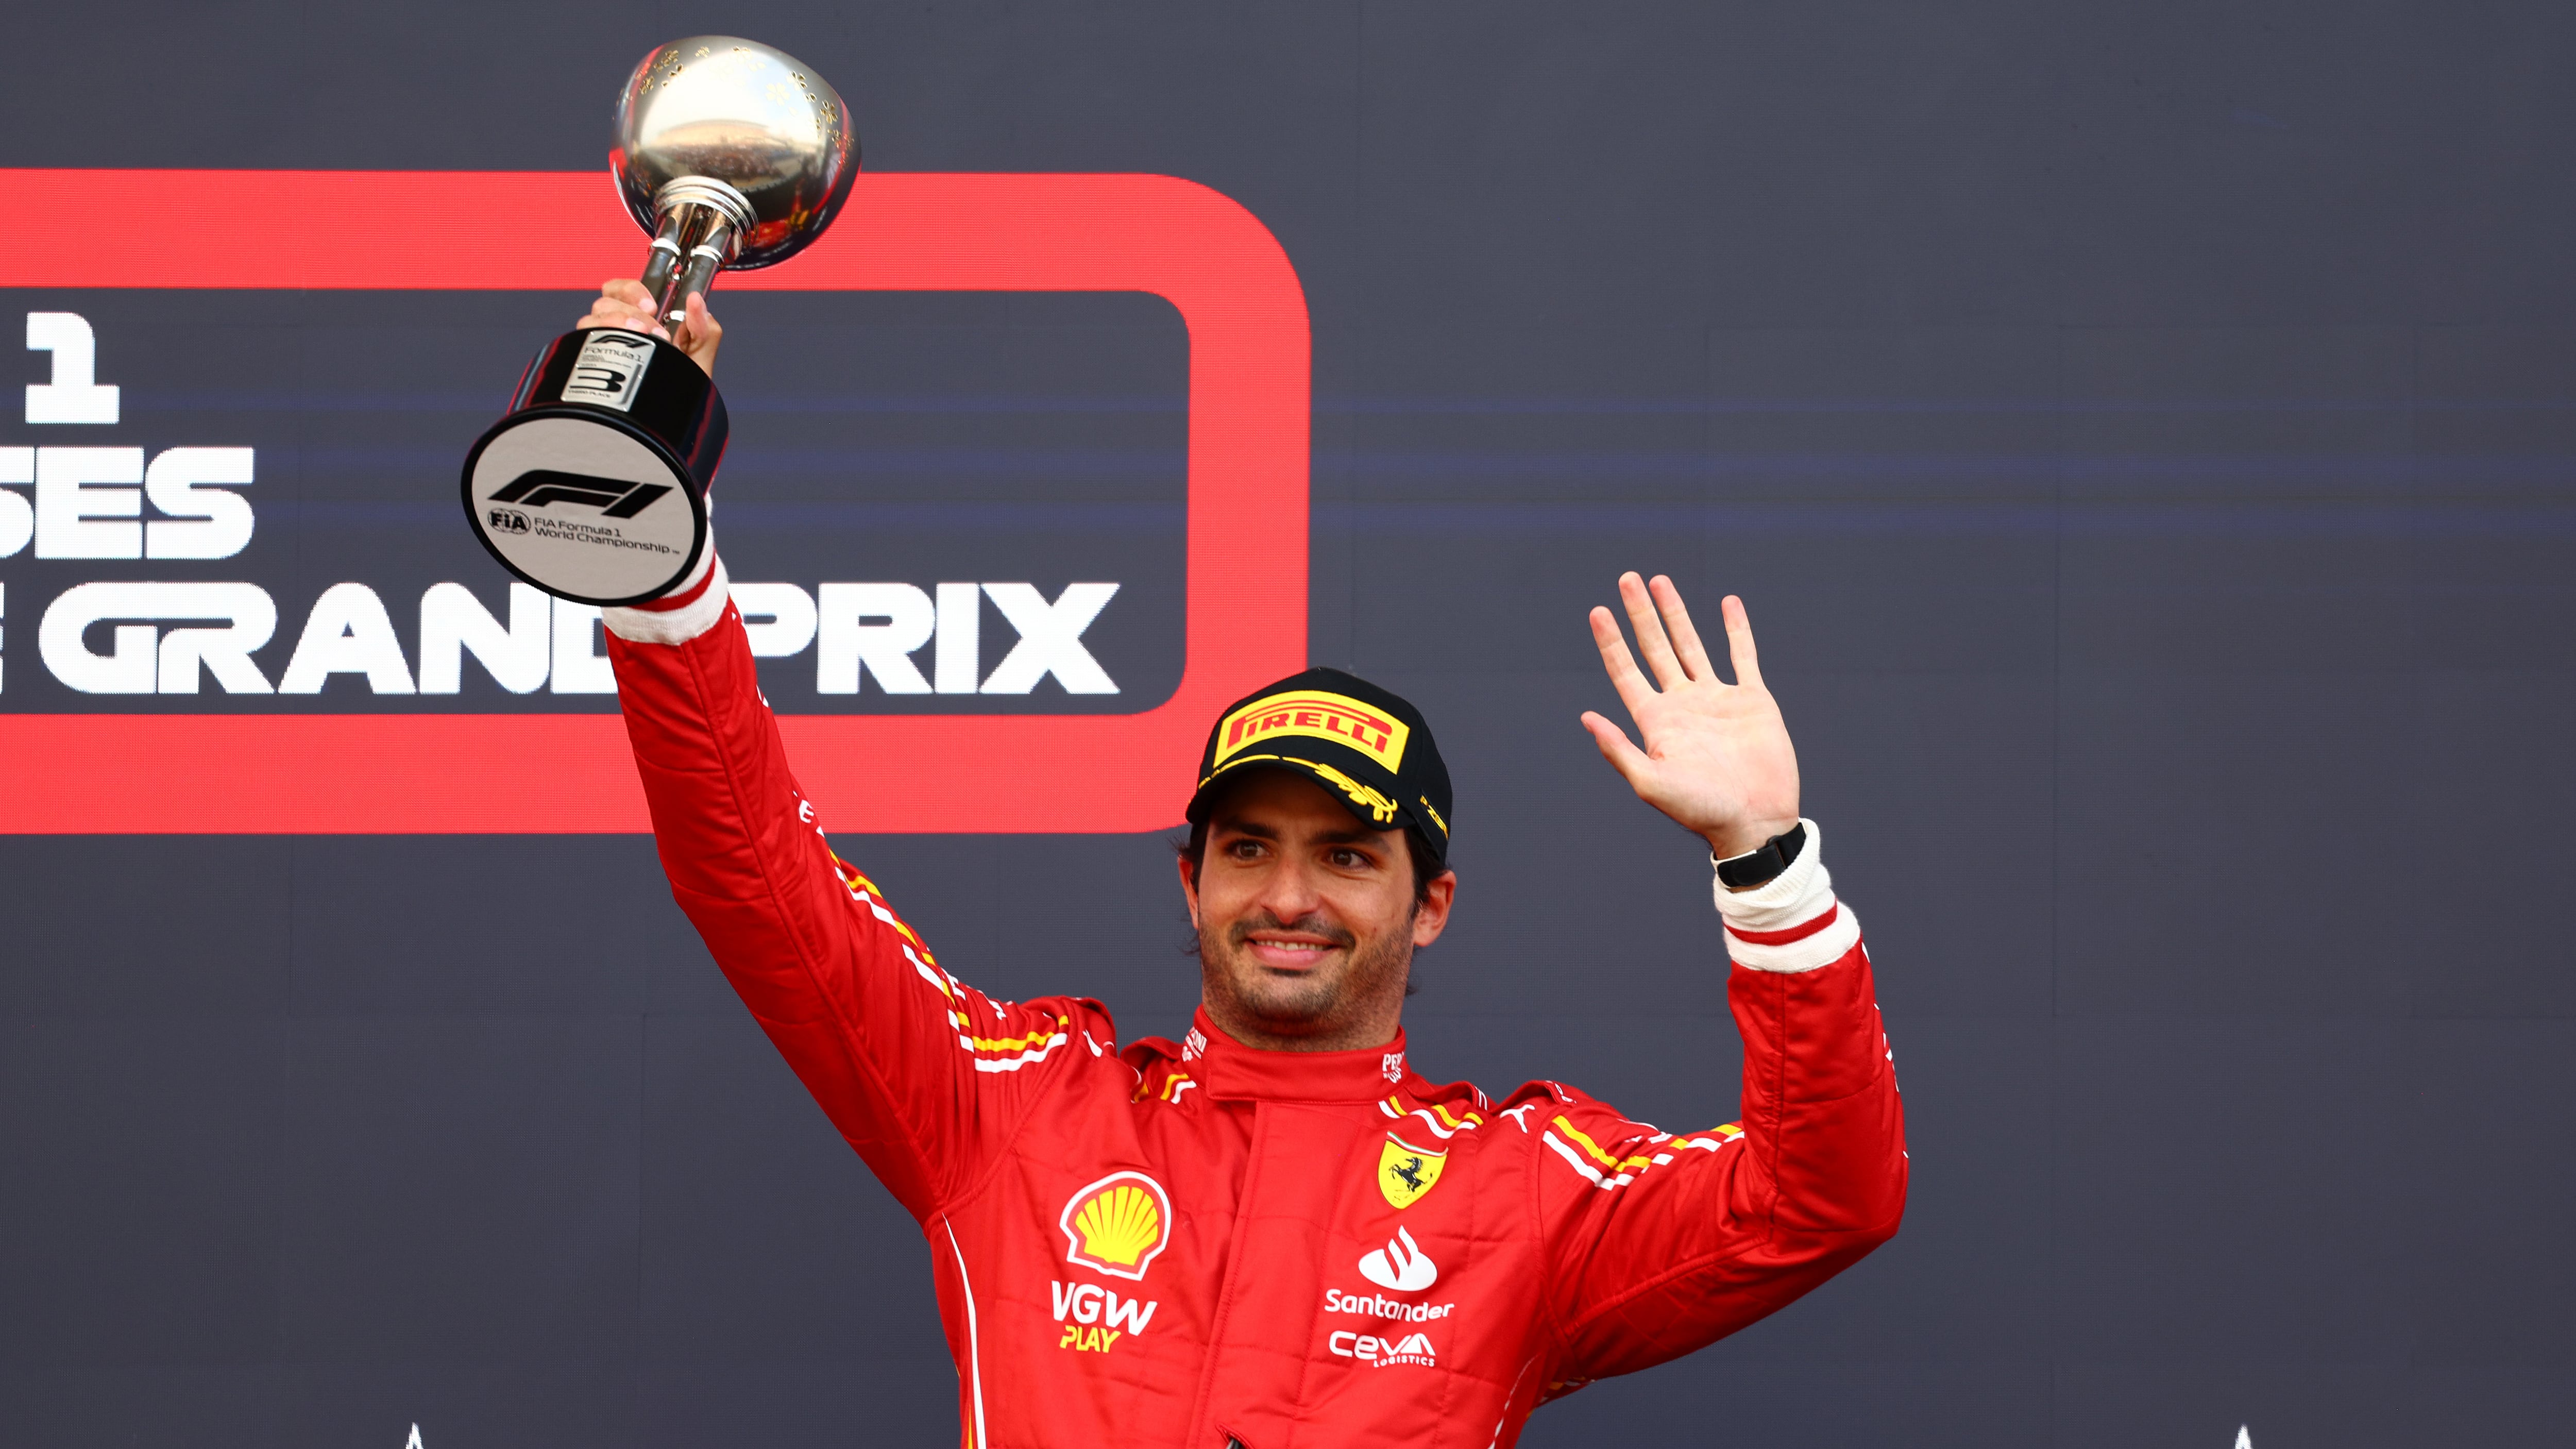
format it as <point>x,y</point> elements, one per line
<point>700,225</point>
<point>700,273</point>
<point>686,227</point>
<point>664,260</point>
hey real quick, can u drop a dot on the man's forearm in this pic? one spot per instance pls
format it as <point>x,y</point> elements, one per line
<point>1819,1080</point>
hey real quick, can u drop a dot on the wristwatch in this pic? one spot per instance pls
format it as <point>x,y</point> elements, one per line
<point>1756,867</point>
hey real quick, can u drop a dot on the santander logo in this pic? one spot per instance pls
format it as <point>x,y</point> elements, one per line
<point>1400,1265</point>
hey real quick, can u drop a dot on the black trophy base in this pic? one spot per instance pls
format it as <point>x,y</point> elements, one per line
<point>594,487</point>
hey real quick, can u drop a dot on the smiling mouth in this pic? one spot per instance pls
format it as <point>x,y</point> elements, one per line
<point>1288,953</point>
<point>1292,947</point>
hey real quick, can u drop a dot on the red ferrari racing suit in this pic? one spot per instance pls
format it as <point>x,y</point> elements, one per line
<point>1150,1242</point>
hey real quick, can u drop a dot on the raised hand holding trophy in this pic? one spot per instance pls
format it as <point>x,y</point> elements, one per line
<point>731,155</point>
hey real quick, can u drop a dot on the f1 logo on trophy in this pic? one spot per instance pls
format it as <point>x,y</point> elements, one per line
<point>593,488</point>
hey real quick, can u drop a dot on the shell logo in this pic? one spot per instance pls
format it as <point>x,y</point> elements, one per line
<point>1117,1225</point>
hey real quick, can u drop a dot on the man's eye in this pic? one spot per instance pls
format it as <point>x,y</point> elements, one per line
<point>1244,849</point>
<point>1349,859</point>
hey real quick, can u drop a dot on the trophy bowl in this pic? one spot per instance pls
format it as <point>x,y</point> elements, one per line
<point>714,108</point>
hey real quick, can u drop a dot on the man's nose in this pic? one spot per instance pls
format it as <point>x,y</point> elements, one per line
<point>1292,890</point>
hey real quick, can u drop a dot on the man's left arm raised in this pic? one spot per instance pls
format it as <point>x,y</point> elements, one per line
<point>1660,1244</point>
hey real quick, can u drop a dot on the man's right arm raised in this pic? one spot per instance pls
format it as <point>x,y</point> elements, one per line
<point>923,1075</point>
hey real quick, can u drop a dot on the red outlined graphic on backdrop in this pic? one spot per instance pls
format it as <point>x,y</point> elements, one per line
<point>434,774</point>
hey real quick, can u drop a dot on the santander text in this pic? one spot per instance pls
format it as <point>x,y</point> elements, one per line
<point>1371,1304</point>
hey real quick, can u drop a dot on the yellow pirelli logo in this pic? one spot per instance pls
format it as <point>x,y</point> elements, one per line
<point>1313,712</point>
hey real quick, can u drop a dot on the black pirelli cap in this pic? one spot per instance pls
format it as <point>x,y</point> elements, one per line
<point>1368,748</point>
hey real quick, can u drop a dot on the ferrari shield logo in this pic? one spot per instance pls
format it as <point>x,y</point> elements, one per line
<point>1406,1172</point>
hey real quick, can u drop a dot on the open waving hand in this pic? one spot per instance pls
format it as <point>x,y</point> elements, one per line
<point>1717,756</point>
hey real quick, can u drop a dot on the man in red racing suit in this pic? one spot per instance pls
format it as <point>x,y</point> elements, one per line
<point>1203,1243</point>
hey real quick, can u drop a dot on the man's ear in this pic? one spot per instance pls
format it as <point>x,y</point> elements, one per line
<point>1189,886</point>
<point>1432,916</point>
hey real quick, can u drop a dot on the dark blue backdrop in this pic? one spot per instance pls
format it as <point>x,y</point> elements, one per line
<point>2144,434</point>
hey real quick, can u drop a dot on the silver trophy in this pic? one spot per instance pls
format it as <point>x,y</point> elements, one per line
<point>731,155</point>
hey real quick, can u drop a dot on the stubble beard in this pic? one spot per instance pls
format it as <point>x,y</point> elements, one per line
<point>1317,1002</point>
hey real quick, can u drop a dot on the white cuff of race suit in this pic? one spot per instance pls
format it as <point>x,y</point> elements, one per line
<point>684,613</point>
<point>1792,921</point>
